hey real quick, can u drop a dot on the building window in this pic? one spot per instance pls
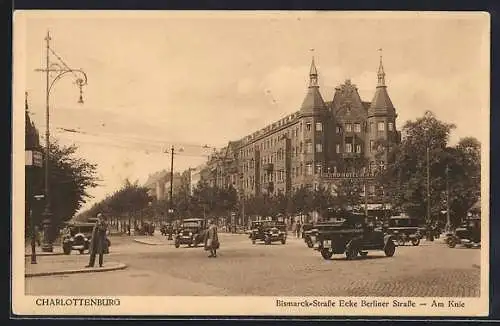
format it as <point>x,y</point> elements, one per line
<point>309,169</point>
<point>381,126</point>
<point>372,145</point>
<point>337,148</point>
<point>308,126</point>
<point>309,147</point>
<point>348,127</point>
<point>338,129</point>
<point>319,148</point>
<point>300,150</point>
<point>357,127</point>
<point>319,126</point>
<point>348,148</point>
<point>358,148</point>
<point>390,126</point>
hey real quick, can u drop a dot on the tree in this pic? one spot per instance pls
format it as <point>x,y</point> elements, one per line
<point>406,177</point>
<point>69,180</point>
<point>348,193</point>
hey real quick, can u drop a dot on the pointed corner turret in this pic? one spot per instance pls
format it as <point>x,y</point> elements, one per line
<point>381,103</point>
<point>313,75</point>
<point>313,100</point>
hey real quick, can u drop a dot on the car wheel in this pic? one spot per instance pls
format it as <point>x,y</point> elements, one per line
<point>309,243</point>
<point>390,248</point>
<point>401,242</point>
<point>351,253</point>
<point>415,241</point>
<point>267,241</point>
<point>177,244</point>
<point>452,242</point>
<point>81,251</point>
<point>253,241</point>
<point>283,241</point>
<point>326,254</point>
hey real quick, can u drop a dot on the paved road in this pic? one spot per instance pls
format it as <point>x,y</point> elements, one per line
<point>431,269</point>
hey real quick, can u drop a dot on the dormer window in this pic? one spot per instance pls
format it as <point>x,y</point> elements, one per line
<point>348,127</point>
<point>357,127</point>
<point>390,126</point>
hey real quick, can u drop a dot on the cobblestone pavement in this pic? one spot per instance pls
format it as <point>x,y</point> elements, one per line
<point>431,269</point>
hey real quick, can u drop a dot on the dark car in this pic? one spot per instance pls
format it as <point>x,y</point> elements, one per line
<point>79,238</point>
<point>350,234</point>
<point>404,229</point>
<point>310,234</point>
<point>269,231</point>
<point>468,234</point>
<point>191,232</point>
<point>254,227</point>
<point>167,229</point>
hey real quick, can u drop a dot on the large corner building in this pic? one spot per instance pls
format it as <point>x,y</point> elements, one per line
<point>315,146</point>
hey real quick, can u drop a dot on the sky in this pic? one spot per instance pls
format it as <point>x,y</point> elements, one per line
<point>189,79</point>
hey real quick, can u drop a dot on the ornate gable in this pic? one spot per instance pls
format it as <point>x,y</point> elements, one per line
<point>347,103</point>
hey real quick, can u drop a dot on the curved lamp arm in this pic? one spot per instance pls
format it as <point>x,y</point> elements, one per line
<point>80,80</point>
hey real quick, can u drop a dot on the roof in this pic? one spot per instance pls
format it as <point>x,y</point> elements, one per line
<point>313,101</point>
<point>381,103</point>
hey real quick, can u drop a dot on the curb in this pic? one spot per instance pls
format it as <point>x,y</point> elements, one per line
<point>149,243</point>
<point>41,254</point>
<point>120,266</point>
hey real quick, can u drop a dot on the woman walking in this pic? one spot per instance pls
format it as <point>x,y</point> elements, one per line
<point>212,239</point>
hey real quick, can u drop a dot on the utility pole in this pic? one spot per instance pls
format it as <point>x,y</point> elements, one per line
<point>429,232</point>
<point>171,208</point>
<point>448,219</point>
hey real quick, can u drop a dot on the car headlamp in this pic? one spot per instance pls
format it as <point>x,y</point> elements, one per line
<point>190,233</point>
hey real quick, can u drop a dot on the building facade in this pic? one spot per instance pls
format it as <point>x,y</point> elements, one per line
<point>322,142</point>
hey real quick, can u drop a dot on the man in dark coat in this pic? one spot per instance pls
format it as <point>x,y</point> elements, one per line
<point>98,243</point>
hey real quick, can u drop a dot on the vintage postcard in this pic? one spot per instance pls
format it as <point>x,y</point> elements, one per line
<point>250,163</point>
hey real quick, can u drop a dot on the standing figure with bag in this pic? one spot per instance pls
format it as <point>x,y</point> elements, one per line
<point>212,239</point>
<point>98,243</point>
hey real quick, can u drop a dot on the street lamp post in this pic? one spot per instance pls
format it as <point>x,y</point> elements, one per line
<point>60,70</point>
<point>448,219</point>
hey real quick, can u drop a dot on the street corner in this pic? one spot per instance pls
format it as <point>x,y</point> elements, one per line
<point>65,267</point>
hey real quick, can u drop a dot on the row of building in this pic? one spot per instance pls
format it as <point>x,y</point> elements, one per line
<point>318,145</point>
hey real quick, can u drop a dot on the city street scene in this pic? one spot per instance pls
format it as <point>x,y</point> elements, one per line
<point>298,154</point>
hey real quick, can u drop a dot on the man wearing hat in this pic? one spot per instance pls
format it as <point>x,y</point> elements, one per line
<point>98,242</point>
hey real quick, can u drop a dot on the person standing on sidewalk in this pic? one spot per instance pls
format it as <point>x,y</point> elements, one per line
<point>98,242</point>
<point>212,239</point>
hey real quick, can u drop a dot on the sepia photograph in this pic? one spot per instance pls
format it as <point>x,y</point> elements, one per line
<point>250,163</point>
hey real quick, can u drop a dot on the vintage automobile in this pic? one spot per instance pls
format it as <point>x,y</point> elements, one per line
<point>404,229</point>
<point>167,230</point>
<point>79,238</point>
<point>310,234</point>
<point>254,227</point>
<point>350,234</point>
<point>468,234</point>
<point>269,231</point>
<point>191,232</point>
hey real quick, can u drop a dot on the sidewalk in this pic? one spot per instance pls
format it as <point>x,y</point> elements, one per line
<point>59,265</point>
<point>56,252</point>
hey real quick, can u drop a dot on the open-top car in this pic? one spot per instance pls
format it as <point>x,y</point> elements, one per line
<point>191,232</point>
<point>269,231</point>
<point>468,234</point>
<point>404,229</point>
<point>350,234</point>
<point>79,237</point>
